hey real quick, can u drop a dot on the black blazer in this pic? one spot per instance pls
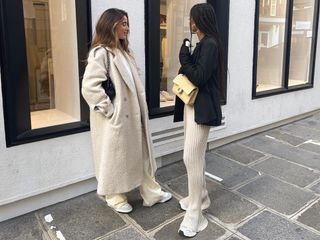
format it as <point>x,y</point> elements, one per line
<point>201,68</point>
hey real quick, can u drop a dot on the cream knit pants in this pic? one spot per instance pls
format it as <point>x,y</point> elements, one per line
<point>195,143</point>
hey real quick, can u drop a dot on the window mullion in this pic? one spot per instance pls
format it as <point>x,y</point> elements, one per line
<point>255,49</point>
<point>153,54</point>
<point>287,44</point>
<point>314,42</point>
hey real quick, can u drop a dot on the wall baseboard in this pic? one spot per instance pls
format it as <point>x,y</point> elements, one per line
<point>30,204</point>
<point>245,134</point>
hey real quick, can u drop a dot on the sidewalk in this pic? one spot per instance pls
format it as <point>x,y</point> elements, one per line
<point>270,190</point>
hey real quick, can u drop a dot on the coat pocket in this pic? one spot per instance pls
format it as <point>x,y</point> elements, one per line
<point>115,119</point>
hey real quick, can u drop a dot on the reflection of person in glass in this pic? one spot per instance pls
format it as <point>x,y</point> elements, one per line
<point>204,69</point>
<point>44,74</point>
<point>122,147</point>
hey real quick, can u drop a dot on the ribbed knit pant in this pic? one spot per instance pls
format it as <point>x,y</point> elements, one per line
<point>195,143</point>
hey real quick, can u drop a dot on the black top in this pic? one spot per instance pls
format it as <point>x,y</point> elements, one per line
<point>201,68</point>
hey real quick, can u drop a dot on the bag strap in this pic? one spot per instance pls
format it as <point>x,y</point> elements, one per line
<point>108,63</point>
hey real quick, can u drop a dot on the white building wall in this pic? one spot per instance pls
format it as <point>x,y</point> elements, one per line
<point>28,170</point>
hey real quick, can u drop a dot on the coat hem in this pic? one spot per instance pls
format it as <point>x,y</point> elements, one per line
<point>104,193</point>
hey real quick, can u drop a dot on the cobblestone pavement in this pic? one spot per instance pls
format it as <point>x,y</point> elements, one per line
<point>270,189</point>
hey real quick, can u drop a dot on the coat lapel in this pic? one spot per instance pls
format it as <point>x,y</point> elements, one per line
<point>135,74</point>
<point>123,72</point>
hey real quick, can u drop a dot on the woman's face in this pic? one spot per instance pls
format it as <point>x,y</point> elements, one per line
<point>123,28</point>
<point>194,28</point>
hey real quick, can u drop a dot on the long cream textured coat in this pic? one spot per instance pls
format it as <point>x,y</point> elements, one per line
<point>119,129</point>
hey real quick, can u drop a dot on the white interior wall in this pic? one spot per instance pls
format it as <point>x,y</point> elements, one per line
<point>31,169</point>
<point>65,56</point>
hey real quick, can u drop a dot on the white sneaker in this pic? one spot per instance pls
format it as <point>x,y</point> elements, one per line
<point>165,197</point>
<point>187,232</point>
<point>125,208</point>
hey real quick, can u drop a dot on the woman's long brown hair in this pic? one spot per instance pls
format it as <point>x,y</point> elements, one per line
<point>105,33</point>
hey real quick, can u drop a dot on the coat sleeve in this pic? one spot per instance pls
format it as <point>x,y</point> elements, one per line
<point>94,75</point>
<point>199,72</point>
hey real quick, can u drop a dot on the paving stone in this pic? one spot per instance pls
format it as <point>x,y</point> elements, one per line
<point>268,226</point>
<point>234,238</point>
<point>231,172</point>
<point>316,116</point>
<point>277,195</point>
<point>311,147</point>
<point>171,171</point>
<point>239,153</point>
<point>311,217</point>
<point>179,185</point>
<point>225,205</point>
<point>85,217</point>
<point>285,137</point>
<point>312,123</point>
<point>287,171</point>
<point>151,217</point>
<point>229,207</point>
<point>128,233</point>
<point>316,188</point>
<point>301,131</point>
<point>284,151</point>
<point>170,232</point>
<point>25,227</point>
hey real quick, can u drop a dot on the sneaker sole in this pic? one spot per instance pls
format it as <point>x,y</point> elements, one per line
<point>181,233</point>
<point>201,228</point>
<point>119,209</point>
<point>166,199</point>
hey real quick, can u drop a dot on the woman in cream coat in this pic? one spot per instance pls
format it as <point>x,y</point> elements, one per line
<point>122,147</point>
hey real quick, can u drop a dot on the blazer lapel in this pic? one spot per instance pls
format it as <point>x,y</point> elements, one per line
<point>123,71</point>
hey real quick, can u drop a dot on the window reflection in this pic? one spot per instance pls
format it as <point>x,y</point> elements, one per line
<point>174,27</point>
<point>50,32</point>
<point>272,22</point>
<point>301,42</point>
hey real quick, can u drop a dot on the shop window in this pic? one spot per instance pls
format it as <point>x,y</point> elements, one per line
<point>43,47</point>
<point>167,25</point>
<point>285,43</point>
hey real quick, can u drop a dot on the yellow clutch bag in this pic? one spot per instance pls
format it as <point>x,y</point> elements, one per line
<point>184,89</point>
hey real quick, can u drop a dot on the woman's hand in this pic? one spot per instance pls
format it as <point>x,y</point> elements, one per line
<point>184,51</point>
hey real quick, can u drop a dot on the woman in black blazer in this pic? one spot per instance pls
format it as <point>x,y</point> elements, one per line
<point>204,68</point>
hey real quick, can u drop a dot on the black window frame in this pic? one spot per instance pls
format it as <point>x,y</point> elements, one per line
<point>285,88</point>
<point>152,55</point>
<point>14,75</point>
